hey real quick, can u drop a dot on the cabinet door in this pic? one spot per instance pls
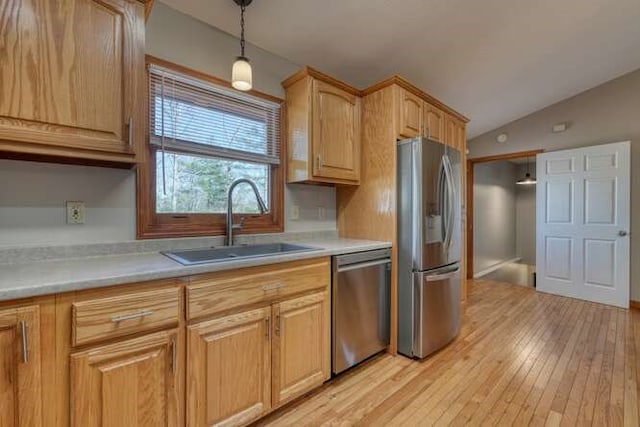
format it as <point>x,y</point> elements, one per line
<point>461,137</point>
<point>433,123</point>
<point>128,383</point>
<point>71,73</point>
<point>229,369</point>
<point>450,131</point>
<point>20,381</point>
<point>410,115</point>
<point>301,346</point>
<point>336,133</point>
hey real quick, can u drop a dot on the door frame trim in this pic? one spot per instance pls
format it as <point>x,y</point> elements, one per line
<point>470,181</point>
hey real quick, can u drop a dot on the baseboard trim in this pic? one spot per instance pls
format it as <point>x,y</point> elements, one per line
<point>495,267</point>
<point>634,304</point>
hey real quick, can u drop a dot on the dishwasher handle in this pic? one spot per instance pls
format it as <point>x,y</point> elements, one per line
<point>363,265</point>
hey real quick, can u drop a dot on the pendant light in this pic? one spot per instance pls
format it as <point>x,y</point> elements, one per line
<point>527,180</point>
<point>241,77</point>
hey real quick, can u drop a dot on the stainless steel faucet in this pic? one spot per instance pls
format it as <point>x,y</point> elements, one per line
<point>230,225</point>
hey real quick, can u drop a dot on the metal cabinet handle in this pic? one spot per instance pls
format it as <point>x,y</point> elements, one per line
<point>25,344</point>
<point>272,287</point>
<point>130,130</point>
<point>278,324</point>
<point>318,162</point>
<point>116,319</point>
<point>174,355</point>
<point>267,322</point>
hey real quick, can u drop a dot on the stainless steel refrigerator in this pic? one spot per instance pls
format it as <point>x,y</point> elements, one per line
<point>429,246</point>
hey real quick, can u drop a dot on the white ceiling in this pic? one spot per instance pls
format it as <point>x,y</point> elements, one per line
<point>492,60</point>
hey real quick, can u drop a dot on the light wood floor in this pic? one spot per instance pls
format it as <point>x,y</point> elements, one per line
<point>521,358</point>
<point>514,273</point>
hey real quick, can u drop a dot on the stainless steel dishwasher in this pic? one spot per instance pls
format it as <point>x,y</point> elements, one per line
<point>360,306</point>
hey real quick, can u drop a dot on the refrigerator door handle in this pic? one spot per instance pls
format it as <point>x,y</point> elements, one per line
<point>451,197</point>
<point>442,199</point>
<point>416,308</point>
<point>443,276</point>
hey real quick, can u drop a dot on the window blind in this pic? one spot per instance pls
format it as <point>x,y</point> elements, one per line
<point>189,115</point>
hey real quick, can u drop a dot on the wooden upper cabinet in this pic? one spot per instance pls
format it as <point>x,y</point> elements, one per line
<point>129,383</point>
<point>20,368</point>
<point>72,78</point>
<point>410,114</point>
<point>454,134</point>
<point>323,129</point>
<point>336,133</point>
<point>229,369</point>
<point>461,137</point>
<point>301,346</point>
<point>450,131</point>
<point>433,122</point>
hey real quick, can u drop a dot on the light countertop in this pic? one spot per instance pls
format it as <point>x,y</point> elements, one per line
<point>37,278</point>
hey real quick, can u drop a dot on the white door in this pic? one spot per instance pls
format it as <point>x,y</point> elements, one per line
<point>582,236</point>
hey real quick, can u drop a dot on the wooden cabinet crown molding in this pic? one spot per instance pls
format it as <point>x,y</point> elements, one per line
<point>405,84</point>
<point>318,75</point>
<point>396,79</point>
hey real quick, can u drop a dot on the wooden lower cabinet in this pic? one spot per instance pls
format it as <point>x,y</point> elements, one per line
<point>300,346</point>
<point>241,366</point>
<point>128,383</point>
<point>130,356</point>
<point>20,367</point>
<point>229,369</point>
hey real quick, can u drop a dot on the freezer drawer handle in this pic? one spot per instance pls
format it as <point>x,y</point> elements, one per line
<point>444,276</point>
<point>363,265</point>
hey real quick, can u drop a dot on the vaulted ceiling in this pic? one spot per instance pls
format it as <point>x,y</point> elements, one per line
<point>492,60</point>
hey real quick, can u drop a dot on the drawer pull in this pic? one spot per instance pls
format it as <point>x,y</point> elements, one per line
<point>272,287</point>
<point>117,319</point>
<point>25,344</point>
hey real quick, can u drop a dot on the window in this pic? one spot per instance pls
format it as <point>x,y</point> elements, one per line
<point>203,135</point>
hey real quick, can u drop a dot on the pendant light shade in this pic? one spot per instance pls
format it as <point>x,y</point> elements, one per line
<point>241,74</point>
<point>527,180</point>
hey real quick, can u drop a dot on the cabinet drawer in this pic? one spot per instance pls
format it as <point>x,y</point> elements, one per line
<point>102,318</point>
<point>212,294</point>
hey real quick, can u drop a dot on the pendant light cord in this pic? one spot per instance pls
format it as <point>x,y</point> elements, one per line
<point>242,8</point>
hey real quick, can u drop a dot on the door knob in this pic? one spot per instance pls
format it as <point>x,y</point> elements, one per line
<point>622,233</point>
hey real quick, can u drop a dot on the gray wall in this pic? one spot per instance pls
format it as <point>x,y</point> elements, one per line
<point>32,203</point>
<point>607,113</point>
<point>32,195</point>
<point>526,218</point>
<point>494,214</point>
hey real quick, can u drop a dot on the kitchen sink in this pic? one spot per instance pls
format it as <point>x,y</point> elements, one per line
<point>230,253</point>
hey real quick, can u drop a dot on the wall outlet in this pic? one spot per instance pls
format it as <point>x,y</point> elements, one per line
<point>295,212</point>
<point>75,212</point>
<point>321,212</point>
